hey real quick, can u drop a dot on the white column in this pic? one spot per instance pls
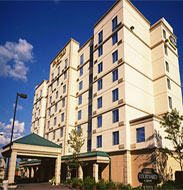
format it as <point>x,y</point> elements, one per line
<point>11,173</point>
<point>80,172</point>
<point>57,169</point>
<point>3,165</point>
<point>95,172</point>
<point>32,172</point>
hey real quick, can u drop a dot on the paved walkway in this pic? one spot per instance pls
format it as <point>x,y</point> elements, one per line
<point>40,186</point>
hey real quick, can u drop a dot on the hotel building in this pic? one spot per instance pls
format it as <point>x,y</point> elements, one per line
<point>115,87</point>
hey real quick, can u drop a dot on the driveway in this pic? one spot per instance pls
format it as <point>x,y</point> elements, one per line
<point>39,186</point>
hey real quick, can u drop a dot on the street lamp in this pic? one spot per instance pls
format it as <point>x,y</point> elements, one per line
<point>21,96</point>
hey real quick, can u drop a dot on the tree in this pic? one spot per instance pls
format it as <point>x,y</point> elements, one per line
<point>75,143</point>
<point>172,123</point>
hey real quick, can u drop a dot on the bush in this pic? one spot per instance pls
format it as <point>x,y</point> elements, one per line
<point>169,185</point>
<point>89,183</point>
<point>101,184</point>
<point>121,186</point>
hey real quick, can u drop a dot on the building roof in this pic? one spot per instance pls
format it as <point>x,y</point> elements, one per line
<point>88,154</point>
<point>33,139</point>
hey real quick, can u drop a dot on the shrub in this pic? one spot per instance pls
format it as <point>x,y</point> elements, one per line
<point>121,186</point>
<point>110,185</point>
<point>101,184</point>
<point>76,183</point>
<point>89,183</point>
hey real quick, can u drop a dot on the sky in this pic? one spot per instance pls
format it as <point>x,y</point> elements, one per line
<point>33,32</point>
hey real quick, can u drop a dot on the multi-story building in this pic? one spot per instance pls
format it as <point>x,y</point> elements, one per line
<point>115,87</point>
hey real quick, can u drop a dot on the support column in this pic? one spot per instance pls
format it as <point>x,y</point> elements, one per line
<point>3,167</point>
<point>80,172</point>
<point>57,169</point>
<point>11,173</point>
<point>127,168</point>
<point>27,172</point>
<point>95,172</point>
<point>68,175</point>
<point>32,172</point>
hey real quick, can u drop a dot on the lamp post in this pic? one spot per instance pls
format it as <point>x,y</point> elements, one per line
<point>21,96</point>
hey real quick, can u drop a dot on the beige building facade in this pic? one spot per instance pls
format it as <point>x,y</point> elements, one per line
<point>115,87</point>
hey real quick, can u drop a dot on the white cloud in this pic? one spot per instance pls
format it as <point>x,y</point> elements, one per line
<point>18,107</point>
<point>13,57</point>
<point>6,129</point>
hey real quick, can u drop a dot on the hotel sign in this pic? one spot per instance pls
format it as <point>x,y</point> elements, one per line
<point>172,42</point>
<point>60,55</point>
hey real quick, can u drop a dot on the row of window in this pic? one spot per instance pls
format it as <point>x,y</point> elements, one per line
<point>56,106</point>
<point>55,120</point>
<point>56,95</point>
<point>40,95</point>
<point>37,103</point>
<point>54,132</point>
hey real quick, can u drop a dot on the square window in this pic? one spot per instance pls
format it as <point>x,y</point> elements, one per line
<point>114,38</point>
<point>115,75</point>
<point>168,84</point>
<point>114,23</point>
<point>80,85</point>
<point>100,67</point>
<point>55,121</point>
<point>170,102</point>
<point>99,84</point>
<point>89,127</point>
<point>140,134</point>
<point>78,128</point>
<point>90,78</point>
<point>115,95</point>
<point>79,115</point>
<point>81,71</point>
<point>167,66</point>
<point>115,137</point>
<point>62,117</point>
<point>99,101</point>
<point>56,94</point>
<point>100,50</point>
<point>55,107</point>
<point>89,145</point>
<point>99,121</point>
<point>115,56</point>
<point>61,132</point>
<point>80,100</point>
<point>63,102</point>
<point>64,88</point>
<point>81,59</point>
<point>100,37</point>
<point>115,116</point>
<point>99,141</point>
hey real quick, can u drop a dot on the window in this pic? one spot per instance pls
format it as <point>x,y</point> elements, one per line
<point>53,135</point>
<point>114,38</point>
<point>170,102</point>
<point>114,23</point>
<point>61,132</point>
<point>65,75</point>
<point>99,121</point>
<point>99,141</point>
<point>59,70</point>
<point>100,67</point>
<point>115,56</point>
<point>115,95</point>
<point>89,110</point>
<point>80,100</point>
<point>36,96</point>
<point>100,37</point>
<point>40,102</point>
<point>81,59</point>
<point>80,85</point>
<point>89,145</point>
<point>66,62</point>
<point>56,94</point>
<point>55,121</point>
<point>50,99</point>
<point>99,84</point>
<point>99,101</point>
<point>64,88</point>
<point>48,124</point>
<point>115,75</point>
<point>167,66</point>
<point>40,93</point>
<point>63,102</point>
<point>140,134</point>
<point>90,94</point>
<point>91,78</point>
<point>79,115</point>
<point>61,146</point>
<point>89,127</point>
<point>115,137</point>
<point>166,49</point>
<point>51,87</point>
<point>100,50</point>
<point>79,128</point>
<point>55,107</point>
<point>168,84</point>
<point>164,34</point>
<point>49,111</point>
<point>38,112</point>
<point>91,62</point>
<point>52,75</point>
<point>115,116</point>
<point>81,71</point>
<point>62,117</point>
<point>38,122</point>
<point>57,81</point>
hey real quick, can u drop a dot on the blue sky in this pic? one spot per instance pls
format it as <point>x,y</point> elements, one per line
<point>32,33</point>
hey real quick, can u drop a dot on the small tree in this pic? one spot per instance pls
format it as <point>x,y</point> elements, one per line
<point>172,123</point>
<point>75,143</point>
